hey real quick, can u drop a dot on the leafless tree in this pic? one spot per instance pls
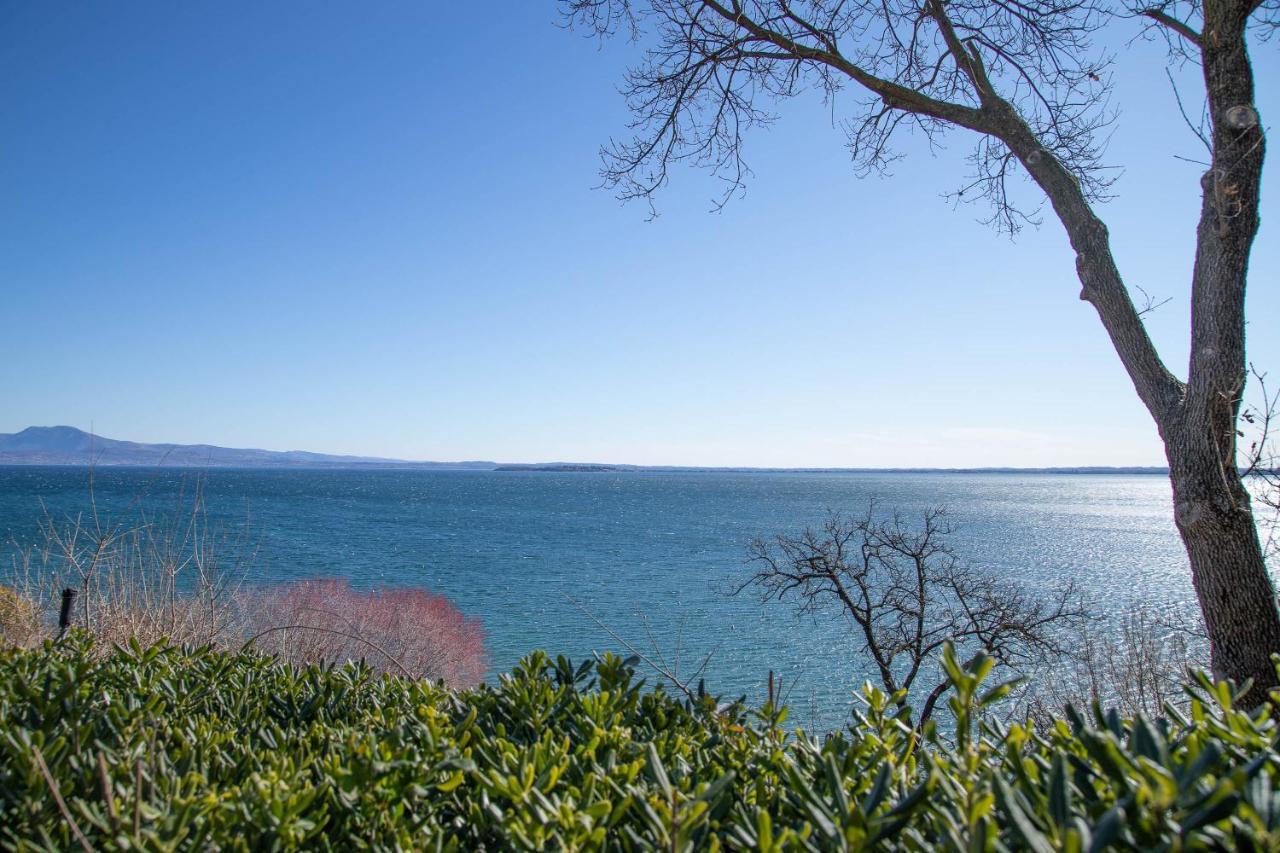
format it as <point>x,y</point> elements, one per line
<point>906,594</point>
<point>1026,82</point>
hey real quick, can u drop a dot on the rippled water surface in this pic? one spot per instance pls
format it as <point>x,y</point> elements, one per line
<point>653,556</point>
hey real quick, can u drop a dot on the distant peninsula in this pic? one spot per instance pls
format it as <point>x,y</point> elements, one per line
<point>65,445</point>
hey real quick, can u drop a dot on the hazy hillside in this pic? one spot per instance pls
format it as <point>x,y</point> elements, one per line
<point>64,445</point>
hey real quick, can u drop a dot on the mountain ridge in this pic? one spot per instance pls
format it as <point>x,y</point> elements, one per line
<point>66,445</point>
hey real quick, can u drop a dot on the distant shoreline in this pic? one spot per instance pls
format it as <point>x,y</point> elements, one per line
<point>571,468</point>
<point>69,447</point>
<point>577,469</point>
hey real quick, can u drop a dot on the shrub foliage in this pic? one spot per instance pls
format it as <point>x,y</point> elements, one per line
<point>170,748</point>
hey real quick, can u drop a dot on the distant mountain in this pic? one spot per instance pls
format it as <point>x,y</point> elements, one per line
<point>64,445</point>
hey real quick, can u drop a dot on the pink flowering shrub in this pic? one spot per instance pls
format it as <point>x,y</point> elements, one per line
<point>408,631</point>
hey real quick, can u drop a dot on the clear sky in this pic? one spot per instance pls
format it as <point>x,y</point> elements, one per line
<point>372,228</point>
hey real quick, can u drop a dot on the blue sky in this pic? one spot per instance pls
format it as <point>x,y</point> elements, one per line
<point>372,228</point>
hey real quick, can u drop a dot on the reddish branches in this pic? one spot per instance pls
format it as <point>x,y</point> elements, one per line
<point>401,631</point>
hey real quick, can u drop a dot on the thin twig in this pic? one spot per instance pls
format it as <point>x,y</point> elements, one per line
<point>107,796</point>
<point>661,670</point>
<point>57,798</point>
<point>1149,304</point>
<point>370,643</point>
<point>1198,131</point>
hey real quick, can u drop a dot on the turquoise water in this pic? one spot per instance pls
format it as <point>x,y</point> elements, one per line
<point>654,556</point>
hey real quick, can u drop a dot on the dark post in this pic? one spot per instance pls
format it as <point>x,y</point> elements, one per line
<point>64,617</point>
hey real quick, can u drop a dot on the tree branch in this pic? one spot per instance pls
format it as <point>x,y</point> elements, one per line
<point>893,94</point>
<point>1166,20</point>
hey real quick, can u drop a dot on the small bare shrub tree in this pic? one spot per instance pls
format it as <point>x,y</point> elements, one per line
<point>410,632</point>
<point>139,574</point>
<point>1137,663</point>
<point>905,595</point>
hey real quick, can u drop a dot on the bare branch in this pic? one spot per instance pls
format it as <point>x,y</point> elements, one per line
<point>1149,304</point>
<point>712,70</point>
<point>344,634</point>
<point>1199,129</point>
<point>659,666</point>
<point>1167,20</point>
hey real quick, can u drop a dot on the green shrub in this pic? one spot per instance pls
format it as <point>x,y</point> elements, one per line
<point>163,748</point>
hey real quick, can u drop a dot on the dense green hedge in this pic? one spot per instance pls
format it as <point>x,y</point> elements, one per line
<point>167,748</point>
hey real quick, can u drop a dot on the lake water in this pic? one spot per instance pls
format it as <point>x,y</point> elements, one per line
<point>654,556</point>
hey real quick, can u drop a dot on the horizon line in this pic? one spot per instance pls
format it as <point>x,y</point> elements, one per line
<point>65,458</point>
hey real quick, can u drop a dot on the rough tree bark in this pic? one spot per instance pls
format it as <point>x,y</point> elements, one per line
<point>1021,76</point>
<point>1212,507</point>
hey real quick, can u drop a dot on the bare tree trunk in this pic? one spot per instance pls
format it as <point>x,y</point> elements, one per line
<point>1211,505</point>
<point>1230,578</point>
<point>1196,419</point>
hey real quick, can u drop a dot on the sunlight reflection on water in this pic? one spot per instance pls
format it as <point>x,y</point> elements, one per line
<point>652,555</point>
